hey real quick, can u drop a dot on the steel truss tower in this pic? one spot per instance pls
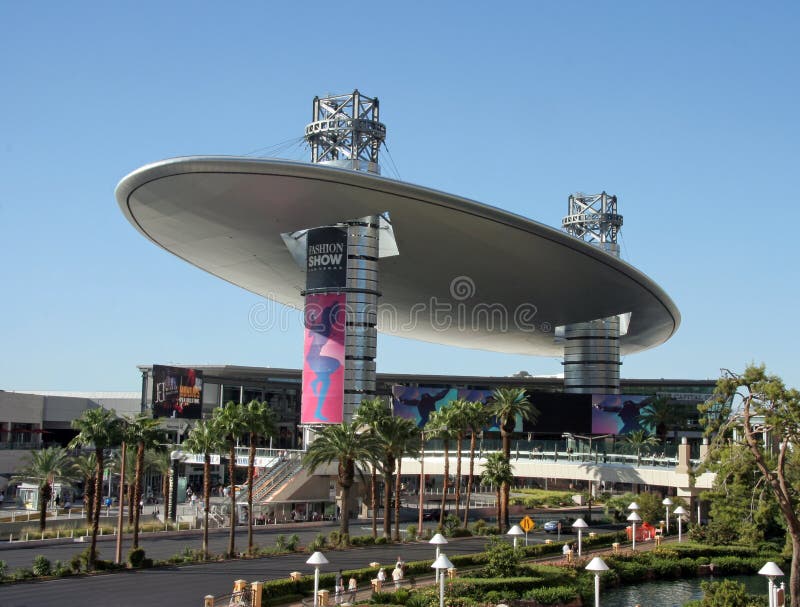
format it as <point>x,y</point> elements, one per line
<point>346,133</point>
<point>591,349</point>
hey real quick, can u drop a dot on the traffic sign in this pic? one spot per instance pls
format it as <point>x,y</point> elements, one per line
<point>527,524</point>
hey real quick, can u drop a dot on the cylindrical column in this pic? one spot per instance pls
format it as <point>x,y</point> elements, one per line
<point>591,357</point>
<point>361,335</point>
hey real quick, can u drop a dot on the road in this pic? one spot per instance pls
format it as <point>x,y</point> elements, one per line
<point>186,586</point>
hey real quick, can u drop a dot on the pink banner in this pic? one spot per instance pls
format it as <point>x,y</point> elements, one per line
<point>323,359</point>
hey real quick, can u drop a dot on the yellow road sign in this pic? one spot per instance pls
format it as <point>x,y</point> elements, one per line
<point>527,524</point>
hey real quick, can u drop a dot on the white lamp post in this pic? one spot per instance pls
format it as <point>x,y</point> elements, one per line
<point>597,566</point>
<point>667,503</point>
<point>679,512</point>
<point>317,559</point>
<point>441,564</point>
<point>515,532</point>
<point>634,518</point>
<point>771,571</point>
<point>437,540</point>
<point>633,506</point>
<point>580,525</point>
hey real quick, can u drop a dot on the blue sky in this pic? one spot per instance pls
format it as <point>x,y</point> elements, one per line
<point>686,110</point>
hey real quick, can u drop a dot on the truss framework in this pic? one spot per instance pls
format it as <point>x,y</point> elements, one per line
<point>346,128</point>
<point>593,218</point>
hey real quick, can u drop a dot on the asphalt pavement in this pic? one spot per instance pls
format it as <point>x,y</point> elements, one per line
<point>187,585</point>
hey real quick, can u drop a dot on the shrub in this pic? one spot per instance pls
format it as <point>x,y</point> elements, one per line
<point>553,595</point>
<point>280,543</point>
<point>411,532</point>
<point>318,543</point>
<point>3,569</point>
<point>41,566</point>
<point>460,532</point>
<point>502,559</point>
<point>293,542</point>
<point>479,527</point>
<point>381,540</point>
<point>135,557</point>
<point>726,593</point>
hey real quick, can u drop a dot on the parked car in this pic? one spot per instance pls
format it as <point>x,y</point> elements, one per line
<point>431,515</point>
<point>552,526</point>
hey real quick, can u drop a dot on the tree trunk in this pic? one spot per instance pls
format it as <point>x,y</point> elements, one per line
<point>231,471</point>
<point>374,500</point>
<point>445,482</point>
<point>397,500</point>
<point>88,498</point>
<point>794,573</point>
<point>505,489</point>
<point>345,478</point>
<point>499,506</point>
<point>137,493</point>
<point>129,497</point>
<point>98,492</point>
<point>344,519</point>
<point>459,438</point>
<point>470,477</point>
<point>206,500</point>
<point>251,465</point>
<point>387,500</point>
<point>166,493</point>
<point>45,492</point>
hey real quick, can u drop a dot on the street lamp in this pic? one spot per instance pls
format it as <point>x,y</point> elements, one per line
<point>515,532</point>
<point>667,503</point>
<point>317,559</point>
<point>771,571</point>
<point>580,525</point>
<point>597,566</point>
<point>441,563</point>
<point>437,540</point>
<point>634,518</point>
<point>679,512</point>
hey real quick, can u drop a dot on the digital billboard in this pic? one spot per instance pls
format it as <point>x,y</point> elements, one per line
<point>177,392</point>
<point>559,413</point>
<point>417,403</point>
<point>323,359</point>
<point>618,413</point>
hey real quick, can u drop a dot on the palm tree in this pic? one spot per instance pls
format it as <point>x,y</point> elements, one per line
<point>101,429</point>
<point>259,422</point>
<point>507,405</point>
<point>161,462</point>
<point>477,416</point>
<point>638,440</point>
<point>44,468</point>
<point>400,437</point>
<point>228,421</point>
<point>144,433</point>
<point>85,466</point>
<point>438,426</point>
<point>459,424</point>
<point>347,445</point>
<point>203,438</point>
<point>497,471</point>
<point>370,412</point>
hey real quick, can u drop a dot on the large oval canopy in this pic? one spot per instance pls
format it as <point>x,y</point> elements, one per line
<point>467,274</point>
